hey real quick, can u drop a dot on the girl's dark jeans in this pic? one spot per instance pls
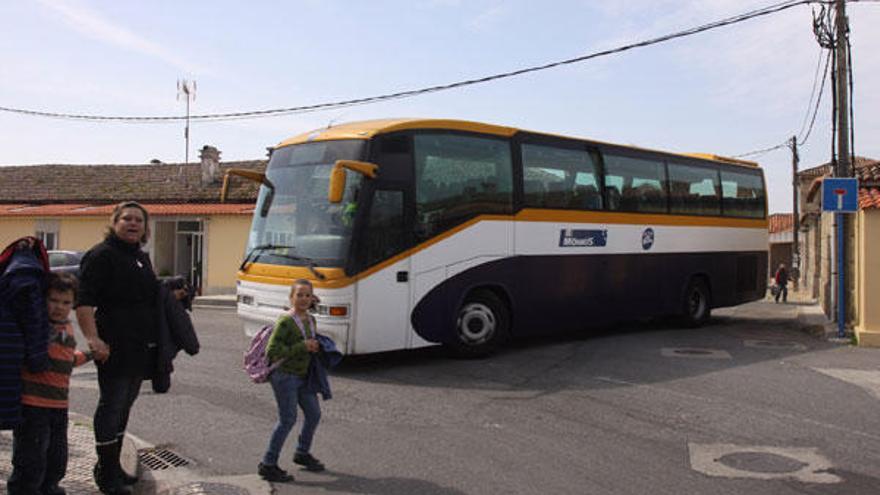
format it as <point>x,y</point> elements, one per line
<point>39,451</point>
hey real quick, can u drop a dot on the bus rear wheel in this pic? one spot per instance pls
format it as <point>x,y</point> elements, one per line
<point>697,309</point>
<point>481,326</point>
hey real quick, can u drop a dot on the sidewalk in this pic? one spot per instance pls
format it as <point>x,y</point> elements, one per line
<point>810,318</point>
<point>149,461</point>
<point>222,301</point>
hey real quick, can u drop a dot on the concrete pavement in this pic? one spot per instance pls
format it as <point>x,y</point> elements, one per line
<point>161,474</point>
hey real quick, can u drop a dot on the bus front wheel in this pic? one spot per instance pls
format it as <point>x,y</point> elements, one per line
<point>481,325</point>
<point>697,308</point>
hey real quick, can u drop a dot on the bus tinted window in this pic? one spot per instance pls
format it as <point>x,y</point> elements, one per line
<point>693,190</point>
<point>634,184</point>
<point>742,194</point>
<point>458,177</point>
<point>385,230</point>
<point>559,178</point>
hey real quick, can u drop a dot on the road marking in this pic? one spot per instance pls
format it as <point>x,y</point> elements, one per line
<point>761,462</point>
<point>694,353</point>
<point>867,379</point>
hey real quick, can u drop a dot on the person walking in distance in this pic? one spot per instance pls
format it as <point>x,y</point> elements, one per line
<point>781,279</point>
<point>117,312</point>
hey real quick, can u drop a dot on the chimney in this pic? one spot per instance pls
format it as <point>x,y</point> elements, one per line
<point>210,165</point>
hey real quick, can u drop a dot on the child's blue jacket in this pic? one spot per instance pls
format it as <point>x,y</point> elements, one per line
<point>329,357</point>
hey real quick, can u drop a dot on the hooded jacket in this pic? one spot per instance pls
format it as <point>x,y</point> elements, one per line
<point>24,328</point>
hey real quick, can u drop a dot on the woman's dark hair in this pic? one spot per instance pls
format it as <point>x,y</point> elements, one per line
<point>117,212</point>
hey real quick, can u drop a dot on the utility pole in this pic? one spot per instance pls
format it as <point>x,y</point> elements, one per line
<point>844,169</point>
<point>795,222</point>
<point>188,90</point>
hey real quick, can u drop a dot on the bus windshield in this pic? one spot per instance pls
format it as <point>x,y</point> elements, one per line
<point>301,227</point>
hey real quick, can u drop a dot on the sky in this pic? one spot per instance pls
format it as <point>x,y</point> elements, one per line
<point>727,91</point>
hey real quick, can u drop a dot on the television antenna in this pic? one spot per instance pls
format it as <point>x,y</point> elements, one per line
<point>187,89</point>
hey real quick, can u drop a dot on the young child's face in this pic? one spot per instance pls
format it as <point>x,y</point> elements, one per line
<point>60,304</point>
<point>301,297</point>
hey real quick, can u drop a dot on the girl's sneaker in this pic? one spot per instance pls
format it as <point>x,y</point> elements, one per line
<point>273,474</point>
<point>308,462</point>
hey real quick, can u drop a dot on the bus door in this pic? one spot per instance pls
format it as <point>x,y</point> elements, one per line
<point>383,293</point>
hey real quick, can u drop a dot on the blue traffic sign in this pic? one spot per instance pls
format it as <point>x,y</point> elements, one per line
<point>840,195</point>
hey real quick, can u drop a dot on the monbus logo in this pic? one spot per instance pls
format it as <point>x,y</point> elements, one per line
<point>582,238</point>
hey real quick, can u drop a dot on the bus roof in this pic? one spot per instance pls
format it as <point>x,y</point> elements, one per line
<point>367,129</point>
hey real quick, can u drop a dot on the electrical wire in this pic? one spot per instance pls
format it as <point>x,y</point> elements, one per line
<point>772,9</point>
<point>803,140</point>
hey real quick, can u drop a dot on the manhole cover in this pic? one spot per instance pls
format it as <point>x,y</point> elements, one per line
<point>159,459</point>
<point>200,487</point>
<point>762,462</point>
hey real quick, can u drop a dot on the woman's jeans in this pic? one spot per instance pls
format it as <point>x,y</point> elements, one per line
<point>39,451</point>
<point>118,393</point>
<point>291,390</point>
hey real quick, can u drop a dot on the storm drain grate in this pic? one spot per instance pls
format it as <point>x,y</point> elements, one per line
<point>159,459</point>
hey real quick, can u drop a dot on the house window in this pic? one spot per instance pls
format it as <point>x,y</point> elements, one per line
<point>47,231</point>
<point>50,239</point>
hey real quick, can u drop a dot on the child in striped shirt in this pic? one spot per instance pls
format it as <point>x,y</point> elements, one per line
<point>39,449</point>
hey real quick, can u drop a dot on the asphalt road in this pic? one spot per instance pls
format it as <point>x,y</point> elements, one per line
<point>745,405</point>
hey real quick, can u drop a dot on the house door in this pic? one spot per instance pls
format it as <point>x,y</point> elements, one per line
<point>190,253</point>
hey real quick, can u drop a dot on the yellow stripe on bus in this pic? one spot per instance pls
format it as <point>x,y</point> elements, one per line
<point>335,278</point>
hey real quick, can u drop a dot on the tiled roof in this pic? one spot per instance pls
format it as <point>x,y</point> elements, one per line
<point>825,168</point>
<point>780,222</point>
<point>163,209</point>
<point>867,170</point>
<point>150,183</point>
<point>869,185</point>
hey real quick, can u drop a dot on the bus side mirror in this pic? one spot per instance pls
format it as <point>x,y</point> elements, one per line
<point>337,185</point>
<point>337,176</point>
<point>254,176</point>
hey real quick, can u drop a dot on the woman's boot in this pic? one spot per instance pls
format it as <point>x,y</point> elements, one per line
<point>127,479</point>
<point>108,474</point>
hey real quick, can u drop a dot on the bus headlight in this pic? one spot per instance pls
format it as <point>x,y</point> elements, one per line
<point>335,310</point>
<point>244,299</point>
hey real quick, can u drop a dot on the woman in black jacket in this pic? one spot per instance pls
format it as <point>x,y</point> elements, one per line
<point>116,310</point>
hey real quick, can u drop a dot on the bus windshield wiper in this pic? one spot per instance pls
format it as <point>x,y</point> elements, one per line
<point>254,253</point>
<point>310,263</point>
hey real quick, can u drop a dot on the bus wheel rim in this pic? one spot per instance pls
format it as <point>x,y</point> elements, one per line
<point>476,323</point>
<point>697,303</point>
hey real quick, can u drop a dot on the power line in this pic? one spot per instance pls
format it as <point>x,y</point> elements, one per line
<point>778,7</point>
<point>762,152</point>
<point>803,140</point>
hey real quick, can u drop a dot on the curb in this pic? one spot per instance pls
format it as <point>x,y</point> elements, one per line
<point>215,302</point>
<point>812,321</point>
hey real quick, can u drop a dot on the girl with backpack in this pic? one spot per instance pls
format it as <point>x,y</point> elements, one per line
<point>295,343</point>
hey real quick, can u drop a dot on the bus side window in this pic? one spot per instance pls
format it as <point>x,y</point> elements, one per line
<point>638,184</point>
<point>742,193</point>
<point>693,190</point>
<point>553,176</point>
<point>385,228</point>
<point>459,177</point>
